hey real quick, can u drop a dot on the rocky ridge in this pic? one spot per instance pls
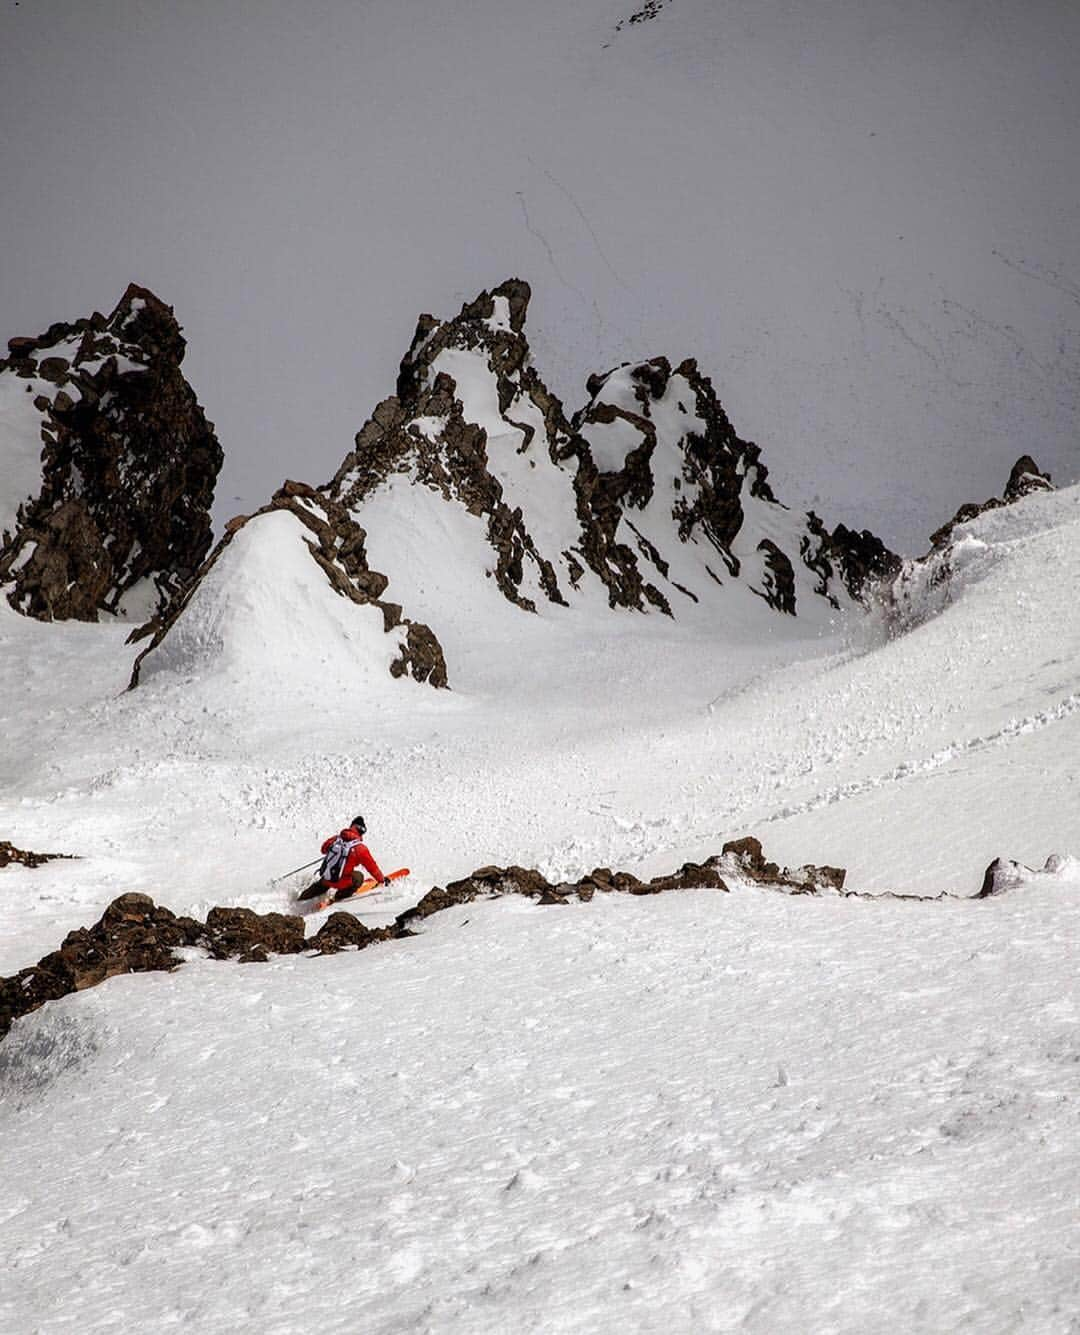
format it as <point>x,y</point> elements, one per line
<point>9,854</point>
<point>1024,479</point>
<point>135,935</point>
<point>658,498</point>
<point>128,464</point>
<point>337,545</point>
<point>646,496</point>
<point>645,499</point>
<point>435,432</point>
<point>920,588</point>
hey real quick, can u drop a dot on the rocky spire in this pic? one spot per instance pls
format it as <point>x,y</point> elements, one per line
<point>128,463</point>
<point>461,382</point>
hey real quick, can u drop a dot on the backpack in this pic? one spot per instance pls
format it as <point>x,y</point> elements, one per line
<point>333,865</point>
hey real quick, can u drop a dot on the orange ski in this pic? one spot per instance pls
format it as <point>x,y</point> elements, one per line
<point>365,888</point>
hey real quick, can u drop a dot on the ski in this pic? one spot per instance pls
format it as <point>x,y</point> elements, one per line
<point>365,888</point>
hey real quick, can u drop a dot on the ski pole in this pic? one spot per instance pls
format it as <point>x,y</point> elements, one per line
<point>274,879</point>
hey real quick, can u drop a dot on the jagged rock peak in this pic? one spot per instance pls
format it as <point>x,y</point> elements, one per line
<point>463,384</point>
<point>336,544</point>
<point>494,321</point>
<point>114,464</point>
<point>1024,479</point>
<point>662,461</point>
<point>647,489</point>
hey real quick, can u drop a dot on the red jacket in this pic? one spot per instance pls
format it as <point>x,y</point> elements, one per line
<point>357,855</point>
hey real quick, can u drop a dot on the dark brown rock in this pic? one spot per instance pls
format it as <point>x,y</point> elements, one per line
<point>828,878</point>
<point>1024,479</point>
<point>244,935</point>
<point>749,854</point>
<point>126,488</point>
<point>690,876</point>
<point>861,561</point>
<point>454,461</point>
<point>9,853</point>
<point>779,578</point>
<point>343,931</point>
<point>747,859</point>
<point>133,936</point>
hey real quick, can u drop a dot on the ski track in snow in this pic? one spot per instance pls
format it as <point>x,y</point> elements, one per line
<point>623,752</point>
<point>1003,737</point>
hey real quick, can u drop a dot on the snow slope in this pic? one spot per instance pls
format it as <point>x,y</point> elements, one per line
<point>267,620</point>
<point>705,1111</point>
<point>701,1112</point>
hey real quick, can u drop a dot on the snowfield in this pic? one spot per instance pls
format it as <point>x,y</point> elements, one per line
<point>703,1111</point>
<point>700,1112</point>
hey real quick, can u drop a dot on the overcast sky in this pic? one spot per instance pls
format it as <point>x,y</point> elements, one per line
<point>861,217</point>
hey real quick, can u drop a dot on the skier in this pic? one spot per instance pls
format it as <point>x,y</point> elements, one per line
<point>343,854</point>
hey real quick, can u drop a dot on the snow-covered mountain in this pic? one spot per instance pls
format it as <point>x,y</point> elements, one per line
<point>647,488</point>
<point>293,574</point>
<point>858,215</point>
<point>667,1083</point>
<point>473,482</point>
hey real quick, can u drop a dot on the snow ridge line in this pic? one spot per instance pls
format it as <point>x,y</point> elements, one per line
<point>908,769</point>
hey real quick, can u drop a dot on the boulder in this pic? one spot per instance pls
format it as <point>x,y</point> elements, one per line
<point>343,931</point>
<point>745,857</point>
<point>241,934</point>
<point>133,935</point>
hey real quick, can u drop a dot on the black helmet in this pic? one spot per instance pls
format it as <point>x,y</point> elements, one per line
<point>358,824</point>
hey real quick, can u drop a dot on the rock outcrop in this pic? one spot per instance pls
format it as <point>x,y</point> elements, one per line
<point>462,382</point>
<point>1005,874</point>
<point>9,853</point>
<point>646,498</point>
<point>135,935</point>
<point>336,544</point>
<point>745,857</point>
<point>1024,479</point>
<point>673,503</point>
<point>921,588</point>
<point>647,489</point>
<point>128,464</point>
<point>494,882</point>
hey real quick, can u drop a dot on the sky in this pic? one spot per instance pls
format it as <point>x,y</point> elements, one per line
<point>860,217</point>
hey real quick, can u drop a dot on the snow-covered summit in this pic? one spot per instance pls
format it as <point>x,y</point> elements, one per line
<point>646,496</point>
<point>476,495</point>
<point>107,465</point>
